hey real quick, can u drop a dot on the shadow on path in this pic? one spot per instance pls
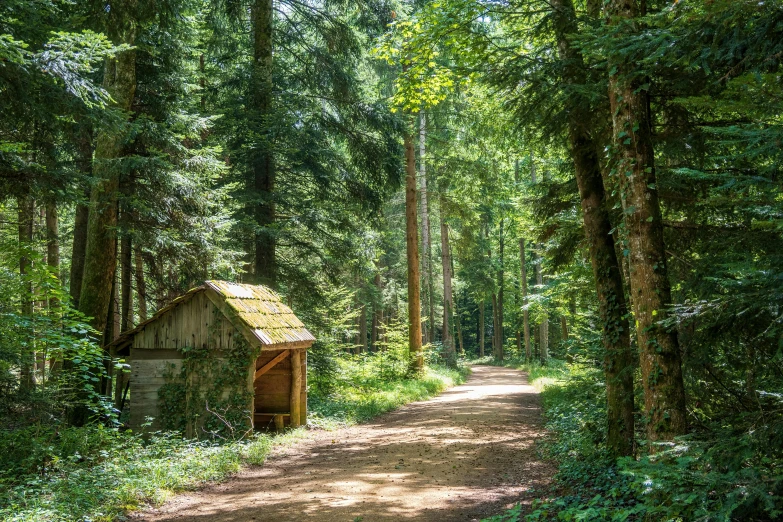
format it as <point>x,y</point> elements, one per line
<point>466,454</point>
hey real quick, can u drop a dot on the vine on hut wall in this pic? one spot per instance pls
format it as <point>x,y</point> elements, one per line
<point>209,397</point>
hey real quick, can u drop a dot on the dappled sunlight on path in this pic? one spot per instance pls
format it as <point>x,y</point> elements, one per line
<point>463,455</point>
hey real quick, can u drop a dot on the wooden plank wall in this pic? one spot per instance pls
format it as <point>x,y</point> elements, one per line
<point>273,389</point>
<point>157,347</point>
<point>147,376</point>
<point>189,324</point>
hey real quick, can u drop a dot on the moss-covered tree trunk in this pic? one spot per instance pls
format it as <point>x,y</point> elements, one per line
<point>660,361</point>
<point>262,165</point>
<point>100,260</point>
<point>618,359</point>
<point>412,249</point>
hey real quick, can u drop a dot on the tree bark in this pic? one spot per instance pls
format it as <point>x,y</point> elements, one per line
<point>501,285</point>
<point>376,314</point>
<point>363,329</point>
<point>495,353</point>
<point>53,246</point>
<point>660,360</point>
<point>412,245</point>
<point>126,268</point>
<point>482,306</point>
<point>262,159</point>
<point>449,351</point>
<point>458,323</point>
<point>525,312</point>
<point>141,285</point>
<point>543,335</point>
<point>100,261</point>
<point>425,228</point>
<point>79,247</point>
<point>26,210</point>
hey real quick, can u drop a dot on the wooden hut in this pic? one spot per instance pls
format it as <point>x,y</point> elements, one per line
<point>223,356</point>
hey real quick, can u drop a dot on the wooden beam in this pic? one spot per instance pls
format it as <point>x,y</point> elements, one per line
<point>296,388</point>
<point>268,366</point>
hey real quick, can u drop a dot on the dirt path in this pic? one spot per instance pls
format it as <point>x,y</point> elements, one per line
<point>466,454</point>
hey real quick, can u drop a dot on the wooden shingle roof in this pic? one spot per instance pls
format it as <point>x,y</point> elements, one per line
<point>256,311</point>
<point>261,311</point>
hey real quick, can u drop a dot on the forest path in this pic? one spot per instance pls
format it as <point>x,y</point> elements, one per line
<point>466,454</point>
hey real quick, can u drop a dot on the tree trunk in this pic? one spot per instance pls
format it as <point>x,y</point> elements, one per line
<point>26,210</point>
<point>481,329</point>
<point>543,335</point>
<point>100,260</point>
<point>449,351</point>
<point>458,323</point>
<point>363,329</point>
<point>495,353</point>
<point>53,261</point>
<point>525,312</point>
<point>425,228</point>
<point>84,162</point>
<point>412,244</point>
<point>262,159</point>
<point>53,246</point>
<point>141,285</point>
<point>376,315</point>
<point>126,268</point>
<point>664,392</point>
<point>501,281</point>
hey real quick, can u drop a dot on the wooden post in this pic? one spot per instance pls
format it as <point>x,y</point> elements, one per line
<point>279,422</point>
<point>296,387</point>
<point>303,394</point>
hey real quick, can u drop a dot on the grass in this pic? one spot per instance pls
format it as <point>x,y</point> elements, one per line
<point>363,392</point>
<point>555,372</point>
<point>98,474</point>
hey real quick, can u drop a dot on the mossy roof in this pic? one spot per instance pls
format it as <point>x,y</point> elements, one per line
<point>255,309</point>
<point>263,312</point>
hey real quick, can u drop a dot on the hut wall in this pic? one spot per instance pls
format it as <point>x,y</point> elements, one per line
<point>194,323</point>
<point>273,389</point>
<point>157,356</point>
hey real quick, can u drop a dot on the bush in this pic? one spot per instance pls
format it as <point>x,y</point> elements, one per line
<point>725,471</point>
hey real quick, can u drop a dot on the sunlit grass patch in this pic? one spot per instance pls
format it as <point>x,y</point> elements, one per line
<point>97,474</point>
<point>361,393</point>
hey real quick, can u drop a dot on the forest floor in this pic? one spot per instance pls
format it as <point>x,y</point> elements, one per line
<point>464,455</point>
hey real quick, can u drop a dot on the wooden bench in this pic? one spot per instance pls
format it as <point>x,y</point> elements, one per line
<point>276,417</point>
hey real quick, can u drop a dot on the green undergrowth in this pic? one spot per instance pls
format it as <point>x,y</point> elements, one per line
<point>364,387</point>
<point>50,473</point>
<point>95,473</point>
<point>729,470</point>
